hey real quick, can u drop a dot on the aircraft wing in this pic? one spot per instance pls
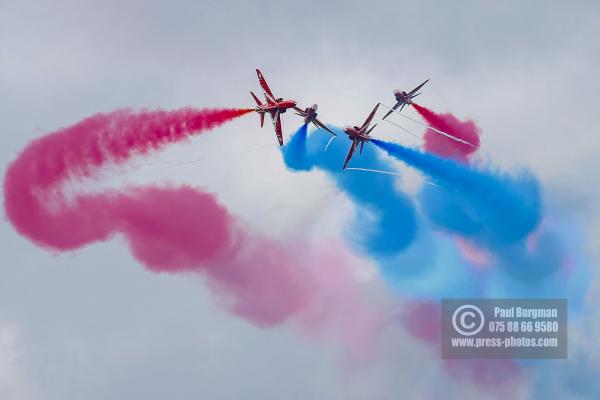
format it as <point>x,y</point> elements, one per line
<point>369,118</point>
<point>398,104</point>
<point>350,152</point>
<point>276,117</point>
<point>299,111</point>
<point>415,90</point>
<point>263,84</point>
<point>321,125</point>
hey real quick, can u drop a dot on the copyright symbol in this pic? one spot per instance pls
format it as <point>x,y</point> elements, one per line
<point>468,320</point>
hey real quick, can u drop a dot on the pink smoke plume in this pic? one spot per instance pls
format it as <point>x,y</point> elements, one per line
<point>32,182</point>
<point>446,147</point>
<point>177,230</point>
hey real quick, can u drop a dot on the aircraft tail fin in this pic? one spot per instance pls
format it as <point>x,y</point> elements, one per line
<point>262,119</point>
<point>373,127</point>
<point>256,99</point>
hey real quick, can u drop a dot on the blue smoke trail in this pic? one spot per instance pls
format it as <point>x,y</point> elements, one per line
<point>385,225</point>
<point>294,153</point>
<point>412,259</point>
<point>385,221</point>
<point>493,209</point>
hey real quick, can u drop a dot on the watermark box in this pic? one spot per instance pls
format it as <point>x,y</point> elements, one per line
<point>504,328</point>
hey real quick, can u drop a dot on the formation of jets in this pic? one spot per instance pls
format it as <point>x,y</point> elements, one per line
<point>275,106</point>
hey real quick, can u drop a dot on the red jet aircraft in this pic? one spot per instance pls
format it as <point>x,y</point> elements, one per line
<point>403,98</point>
<point>359,135</point>
<point>275,107</point>
<point>310,115</point>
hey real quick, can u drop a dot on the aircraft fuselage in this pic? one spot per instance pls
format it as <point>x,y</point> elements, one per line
<point>280,106</point>
<point>402,96</point>
<point>311,115</point>
<point>356,134</point>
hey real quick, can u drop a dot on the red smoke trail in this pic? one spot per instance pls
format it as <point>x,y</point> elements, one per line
<point>31,185</point>
<point>175,229</point>
<point>444,146</point>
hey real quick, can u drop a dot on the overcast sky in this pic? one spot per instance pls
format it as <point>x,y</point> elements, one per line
<point>94,324</point>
